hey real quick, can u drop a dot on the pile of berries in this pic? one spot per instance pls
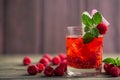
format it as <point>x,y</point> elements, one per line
<point>111,69</point>
<point>46,65</point>
<point>112,66</point>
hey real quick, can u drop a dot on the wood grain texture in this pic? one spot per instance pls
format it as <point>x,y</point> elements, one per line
<point>20,26</point>
<point>1,26</point>
<point>11,68</point>
<point>38,26</point>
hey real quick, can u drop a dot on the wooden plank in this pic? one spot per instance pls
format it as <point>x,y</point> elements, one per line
<point>1,26</point>
<point>108,13</point>
<point>11,68</point>
<point>54,25</point>
<point>20,26</point>
<point>57,16</point>
<point>34,26</point>
<point>39,26</point>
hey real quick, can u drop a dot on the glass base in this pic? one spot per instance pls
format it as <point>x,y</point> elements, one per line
<point>83,72</point>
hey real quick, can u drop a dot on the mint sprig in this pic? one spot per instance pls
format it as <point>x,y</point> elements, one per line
<point>97,18</point>
<point>90,26</point>
<point>88,37</point>
<point>87,20</point>
<point>114,61</point>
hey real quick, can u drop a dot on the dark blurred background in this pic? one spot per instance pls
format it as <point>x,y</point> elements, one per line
<point>38,26</point>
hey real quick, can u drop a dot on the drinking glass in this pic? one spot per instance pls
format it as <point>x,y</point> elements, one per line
<point>83,59</point>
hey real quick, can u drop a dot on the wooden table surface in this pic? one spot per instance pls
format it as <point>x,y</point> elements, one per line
<point>11,68</point>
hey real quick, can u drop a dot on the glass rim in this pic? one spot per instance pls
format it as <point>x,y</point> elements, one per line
<point>73,27</point>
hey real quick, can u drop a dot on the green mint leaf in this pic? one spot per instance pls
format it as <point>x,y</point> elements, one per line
<point>86,29</point>
<point>86,20</point>
<point>109,60</point>
<point>89,23</point>
<point>97,18</point>
<point>117,62</point>
<point>95,32</point>
<point>87,38</point>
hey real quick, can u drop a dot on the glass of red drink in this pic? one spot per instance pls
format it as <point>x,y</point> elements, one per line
<point>83,59</point>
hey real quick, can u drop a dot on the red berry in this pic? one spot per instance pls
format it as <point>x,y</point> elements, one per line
<point>64,65</point>
<point>107,67</point>
<point>59,71</point>
<point>115,71</point>
<point>102,27</point>
<point>48,57</point>
<point>62,56</point>
<point>27,60</point>
<point>44,61</point>
<point>64,61</point>
<point>32,69</point>
<point>49,71</point>
<point>56,60</point>
<point>40,67</point>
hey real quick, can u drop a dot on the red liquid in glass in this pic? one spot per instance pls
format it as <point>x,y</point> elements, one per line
<point>84,56</point>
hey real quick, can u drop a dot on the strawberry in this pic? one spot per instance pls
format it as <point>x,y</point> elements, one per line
<point>26,60</point>
<point>115,71</point>
<point>102,27</point>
